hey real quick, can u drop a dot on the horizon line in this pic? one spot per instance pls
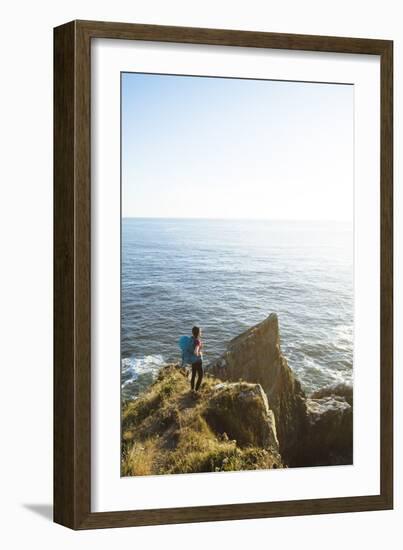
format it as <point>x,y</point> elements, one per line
<point>235,219</point>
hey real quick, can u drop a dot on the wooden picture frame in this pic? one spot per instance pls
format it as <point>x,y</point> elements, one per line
<point>72,271</point>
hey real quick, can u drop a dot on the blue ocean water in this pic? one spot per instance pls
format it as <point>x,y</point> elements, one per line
<point>226,275</point>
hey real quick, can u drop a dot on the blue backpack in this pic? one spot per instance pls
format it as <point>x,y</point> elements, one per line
<point>187,347</point>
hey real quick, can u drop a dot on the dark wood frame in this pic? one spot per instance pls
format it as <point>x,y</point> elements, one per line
<point>72,267</point>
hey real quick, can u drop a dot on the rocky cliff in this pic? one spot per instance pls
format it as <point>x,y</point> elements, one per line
<point>329,436</point>
<point>250,413</point>
<point>311,431</point>
<point>256,356</point>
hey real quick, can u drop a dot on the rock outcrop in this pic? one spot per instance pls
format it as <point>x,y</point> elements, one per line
<point>241,411</point>
<point>256,356</point>
<point>312,431</point>
<point>329,437</point>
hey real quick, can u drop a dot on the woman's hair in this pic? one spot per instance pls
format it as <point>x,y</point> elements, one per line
<point>195,331</point>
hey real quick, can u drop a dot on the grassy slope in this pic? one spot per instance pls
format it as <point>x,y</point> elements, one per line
<point>168,430</point>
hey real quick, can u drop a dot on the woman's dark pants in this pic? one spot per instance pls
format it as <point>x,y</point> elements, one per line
<point>197,368</point>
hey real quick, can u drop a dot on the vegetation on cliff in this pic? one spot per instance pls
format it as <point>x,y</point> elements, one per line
<point>226,426</point>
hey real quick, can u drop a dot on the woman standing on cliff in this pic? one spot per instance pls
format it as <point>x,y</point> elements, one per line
<point>197,360</point>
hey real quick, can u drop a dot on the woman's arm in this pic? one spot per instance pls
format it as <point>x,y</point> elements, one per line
<point>197,348</point>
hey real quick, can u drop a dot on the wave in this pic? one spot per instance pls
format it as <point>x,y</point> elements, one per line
<point>133,367</point>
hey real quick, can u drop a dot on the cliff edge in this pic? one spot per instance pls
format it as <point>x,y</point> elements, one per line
<point>225,427</point>
<point>314,430</point>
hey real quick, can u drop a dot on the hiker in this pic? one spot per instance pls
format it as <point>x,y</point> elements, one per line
<point>197,363</point>
<point>191,347</point>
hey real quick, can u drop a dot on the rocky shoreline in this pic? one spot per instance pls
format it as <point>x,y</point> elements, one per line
<point>251,413</point>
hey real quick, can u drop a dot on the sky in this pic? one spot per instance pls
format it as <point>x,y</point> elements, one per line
<point>199,147</point>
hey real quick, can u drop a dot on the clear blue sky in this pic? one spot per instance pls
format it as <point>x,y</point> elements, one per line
<point>233,148</point>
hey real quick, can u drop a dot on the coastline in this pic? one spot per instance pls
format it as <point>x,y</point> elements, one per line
<point>313,430</point>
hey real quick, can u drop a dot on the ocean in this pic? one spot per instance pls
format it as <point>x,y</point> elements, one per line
<point>227,275</point>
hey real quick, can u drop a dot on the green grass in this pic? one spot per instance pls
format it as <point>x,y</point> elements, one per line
<point>167,430</point>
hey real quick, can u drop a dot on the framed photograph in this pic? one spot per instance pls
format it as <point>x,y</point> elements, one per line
<point>223,271</point>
